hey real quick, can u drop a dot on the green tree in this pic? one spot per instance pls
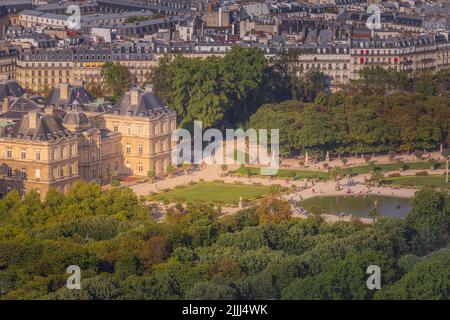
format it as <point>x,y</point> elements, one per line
<point>151,175</point>
<point>428,280</point>
<point>446,155</point>
<point>429,219</point>
<point>273,210</point>
<point>170,169</point>
<point>116,79</point>
<point>374,213</point>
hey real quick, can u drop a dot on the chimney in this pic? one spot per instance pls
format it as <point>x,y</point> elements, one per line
<point>5,106</point>
<point>33,119</point>
<point>64,89</point>
<point>134,96</point>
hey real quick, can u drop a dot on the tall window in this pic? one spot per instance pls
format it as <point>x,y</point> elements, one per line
<point>9,153</point>
<point>61,171</point>
<point>128,129</point>
<point>140,131</point>
<point>141,149</point>
<point>38,155</point>
<point>128,148</point>
<point>38,173</point>
<point>23,173</point>
<point>24,153</point>
<point>10,172</point>
<point>140,167</point>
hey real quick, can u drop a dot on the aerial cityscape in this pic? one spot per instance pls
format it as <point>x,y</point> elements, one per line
<point>224,150</point>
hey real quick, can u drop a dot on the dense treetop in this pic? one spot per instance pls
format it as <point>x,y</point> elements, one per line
<point>258,253</point>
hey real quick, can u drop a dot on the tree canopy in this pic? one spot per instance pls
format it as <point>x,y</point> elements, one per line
<point>257,253</point>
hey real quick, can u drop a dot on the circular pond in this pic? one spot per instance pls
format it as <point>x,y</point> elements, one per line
<point>359,206</point>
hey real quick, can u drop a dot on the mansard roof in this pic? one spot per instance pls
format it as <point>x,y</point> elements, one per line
<point>76,95</point>
<point>76,118</point>
<point>11,88</point>
<point>148,104</point>
<point>46,128</point>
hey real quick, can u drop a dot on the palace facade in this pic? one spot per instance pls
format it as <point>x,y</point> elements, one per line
<point>69,137</point>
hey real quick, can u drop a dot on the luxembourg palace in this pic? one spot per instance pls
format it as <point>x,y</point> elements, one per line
<point>68,136</point>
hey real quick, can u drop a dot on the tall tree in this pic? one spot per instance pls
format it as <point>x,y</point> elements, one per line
<point>116,79</point>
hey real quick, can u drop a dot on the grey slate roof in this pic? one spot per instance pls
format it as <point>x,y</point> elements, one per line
<point>77,95</point>
<point>75,118</point>
<point>23,104</point>
<point>10,89</point>
<point>47,128</point>
<point>148,104</point>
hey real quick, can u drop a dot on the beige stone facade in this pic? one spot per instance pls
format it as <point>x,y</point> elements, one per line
<point>146,139</point>
<point>41,71</point>
<point>37,164</point>
<point>45,149</point>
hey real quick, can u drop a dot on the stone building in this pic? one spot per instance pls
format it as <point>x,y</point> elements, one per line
<point>8,63</point>
<point>55,145</point>
<point>42,70</point>
<point>146,126</point>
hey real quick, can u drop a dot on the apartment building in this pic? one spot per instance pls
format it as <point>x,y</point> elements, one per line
<point>8,63</point>
<point>41,70</point>
<point>415,54</point>
<point>332,60</point>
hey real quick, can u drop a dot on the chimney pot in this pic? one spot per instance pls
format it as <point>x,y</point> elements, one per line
<point>134,97</point>
<point>33,119</point>
<point>5,106</point>
<point>64,90</point>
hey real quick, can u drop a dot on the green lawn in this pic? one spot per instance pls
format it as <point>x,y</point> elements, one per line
<point>420,181</point>
<point>226,193</point>
<point>286,173</point>
<point>392,167</point>
<point>323,175</point>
